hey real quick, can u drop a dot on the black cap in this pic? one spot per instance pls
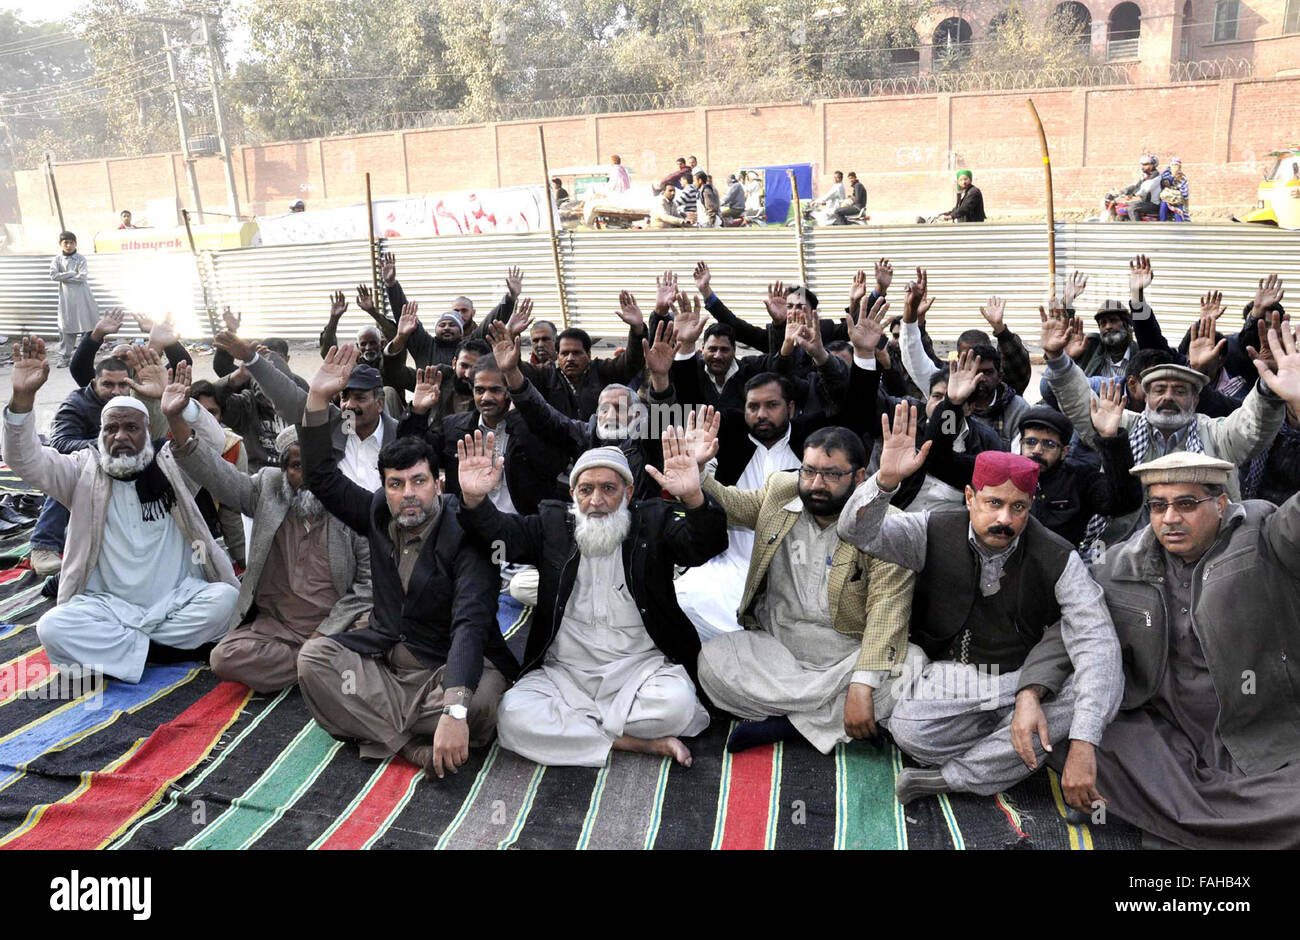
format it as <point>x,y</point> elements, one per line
<point>364,377</point>
<point>1050,418</point>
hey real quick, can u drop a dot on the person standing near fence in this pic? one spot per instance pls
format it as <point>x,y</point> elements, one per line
<point>78,312</point>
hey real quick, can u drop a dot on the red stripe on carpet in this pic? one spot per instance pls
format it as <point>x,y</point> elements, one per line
<point>113,799</point>
<point>364,821</point>
<point>17,677</point>
<point>749,797</point>
<point>16,572</point>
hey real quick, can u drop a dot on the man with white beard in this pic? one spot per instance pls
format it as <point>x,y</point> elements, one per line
<point>308,574</point>
<point>143,579</point>
<point>1170,422</point>
<point>610,661</point>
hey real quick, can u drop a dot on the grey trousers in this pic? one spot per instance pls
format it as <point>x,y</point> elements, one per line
<point>67,346</point>
<point>958,718</point>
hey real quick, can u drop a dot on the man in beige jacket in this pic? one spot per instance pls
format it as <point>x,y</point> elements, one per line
<point>143,579</point>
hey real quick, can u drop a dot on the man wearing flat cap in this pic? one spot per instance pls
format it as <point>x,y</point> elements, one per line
<point>1069,494</point>
<point>610,660</point>
<point>1169,423</point>
<point>308,574</point>
<point>1205,752</point>
<point>359,426</point>
<point>994,589</point>
<point>1108,351</point>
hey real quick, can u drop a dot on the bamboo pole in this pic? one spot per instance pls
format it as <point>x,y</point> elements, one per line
<point>54,190</point>
<point>380,299</point>
<point>208,306</point>
<point>798,227</point>
<point>550,222</point>
<point>1047,180</point>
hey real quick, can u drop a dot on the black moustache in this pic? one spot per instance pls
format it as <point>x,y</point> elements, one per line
<point>1001,530</point>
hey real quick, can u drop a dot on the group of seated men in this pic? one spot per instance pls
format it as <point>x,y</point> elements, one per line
<point>836,537</point>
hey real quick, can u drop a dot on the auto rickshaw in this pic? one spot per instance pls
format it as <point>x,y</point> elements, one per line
<point>1279,193</point>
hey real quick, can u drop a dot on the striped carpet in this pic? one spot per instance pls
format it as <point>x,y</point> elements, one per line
<point>183,760</point>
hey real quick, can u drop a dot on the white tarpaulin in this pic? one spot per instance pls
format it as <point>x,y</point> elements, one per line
<point>472,212</point>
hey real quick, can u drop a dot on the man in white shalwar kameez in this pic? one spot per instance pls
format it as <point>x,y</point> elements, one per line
<point>142,578</point>
<point>614,667</point>
<point>78,312</point>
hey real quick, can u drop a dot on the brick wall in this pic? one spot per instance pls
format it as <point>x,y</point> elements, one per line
<point>901,147</point>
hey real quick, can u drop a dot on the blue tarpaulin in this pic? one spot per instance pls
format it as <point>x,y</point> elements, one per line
<point>776,189</point>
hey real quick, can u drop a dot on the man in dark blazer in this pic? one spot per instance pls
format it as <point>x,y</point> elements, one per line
<point>426,677</point>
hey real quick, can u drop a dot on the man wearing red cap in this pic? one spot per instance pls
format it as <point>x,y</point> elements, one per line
<point>992,584</point>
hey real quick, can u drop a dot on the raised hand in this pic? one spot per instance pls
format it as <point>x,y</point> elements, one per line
<point>665,291</point>
<point>681,474</point>
<point>364,299</point>
<point>238,348</point>
<point>479,467</point>
<point>702,279</point>
<point>884,276</point>
<point>777,307</point>
<point>899,458</point>
<point>1204,354</point>
<point>992,311</point>
<point>809,337</point>
<point>338,305</point>
<point>1284,379</point>
<point>865,332</point>
<point>514,281</point>
<point>857,290</point>
<point>1108,408</point>
<point>689,321</point>
<point>1075,285</point>
<point>150,373</point>
<point>521,317</point>
<point>108,324</point>
<point>428,389</point>
<point>231,320</point>
<point>630,313</point>
<point>1056,328</point>
<point>31,369</point>
<point>388,268</point>
<point>1269,321</point>
<point>963,377</point>
<point>1078,340</point>
<point>702,426</point>
<point>1139,274</point>
<point>1268,295</point>
<point>1212,304</point>
<point>163,333</point>
<point>505,346</point>
<point>659,355</point>
<point>914,297</point>
<point>333,374</point>
<point>409,320</point>
<point>177,393</point>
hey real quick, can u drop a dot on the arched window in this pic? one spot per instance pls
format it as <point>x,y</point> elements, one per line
<point>1125,27</point>
<point>1185,33</point>
<point>1073,19</point>
<point>952,40</point>
<point>905,51</point>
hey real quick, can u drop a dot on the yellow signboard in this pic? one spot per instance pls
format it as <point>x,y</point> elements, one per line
<point>206,238</point>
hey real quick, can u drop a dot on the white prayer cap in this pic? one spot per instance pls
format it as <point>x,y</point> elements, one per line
<point>286,439</point>
<point>126,401</point>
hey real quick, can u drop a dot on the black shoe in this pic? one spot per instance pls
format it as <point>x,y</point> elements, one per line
<point>51,588</point>
<point>166,655</point>
<point>14,504</point>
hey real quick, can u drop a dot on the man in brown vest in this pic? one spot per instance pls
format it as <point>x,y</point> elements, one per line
<point>992,582</point>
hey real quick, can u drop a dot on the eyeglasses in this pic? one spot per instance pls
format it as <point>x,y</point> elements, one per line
<point>1044,443</point>
<point>1184,504</point>
<point>830,476</point>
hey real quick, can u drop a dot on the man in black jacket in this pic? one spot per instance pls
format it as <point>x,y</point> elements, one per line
<point>970,201</point>
<point>424,679</point>
<point>1068,494</point>
<point>610,661</point>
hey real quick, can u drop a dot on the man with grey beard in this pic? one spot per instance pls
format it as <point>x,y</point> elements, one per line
<point>143,579</point>
<point>1170,422</point>
<point>610,660</point>
<point>308,574</point>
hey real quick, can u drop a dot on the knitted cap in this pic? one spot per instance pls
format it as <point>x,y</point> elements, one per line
<point>610,457</point>
<point>286,439</point>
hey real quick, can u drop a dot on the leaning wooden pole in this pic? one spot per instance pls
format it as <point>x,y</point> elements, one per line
<point>378,298</point>
<point>798,227</point>
<point>550,221</point>
<point>208,306</point>
<point>54,191</point>
<point>1047,181</point>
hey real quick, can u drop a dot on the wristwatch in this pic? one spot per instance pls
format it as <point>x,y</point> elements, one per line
<point>458,712</point>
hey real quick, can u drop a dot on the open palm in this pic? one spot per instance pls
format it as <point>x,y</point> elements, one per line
<point>899,458</point>
<point>478,466</point>
<point>334,372</point>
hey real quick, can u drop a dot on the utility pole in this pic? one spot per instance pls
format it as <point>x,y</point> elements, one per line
<point>232,195</point>
<point>180,124</point>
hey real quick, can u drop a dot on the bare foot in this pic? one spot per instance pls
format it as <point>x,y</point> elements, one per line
<point>668,747</point>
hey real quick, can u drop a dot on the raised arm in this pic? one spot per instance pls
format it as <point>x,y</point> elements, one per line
<point>346,500</point>
<point>51,472</point>
<point>479,471</point>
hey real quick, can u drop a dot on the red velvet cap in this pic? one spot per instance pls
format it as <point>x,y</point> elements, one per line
<point>995,467</point>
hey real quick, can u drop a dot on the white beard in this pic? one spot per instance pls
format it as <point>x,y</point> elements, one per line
<point>302,502</point>
<point>1168,423</point>
<point>124,468</point>
<point>600,535</point>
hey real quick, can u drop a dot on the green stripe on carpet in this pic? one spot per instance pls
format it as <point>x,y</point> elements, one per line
<point>864,798</point>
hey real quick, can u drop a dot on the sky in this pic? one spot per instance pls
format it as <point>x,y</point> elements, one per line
<point>36,11</point>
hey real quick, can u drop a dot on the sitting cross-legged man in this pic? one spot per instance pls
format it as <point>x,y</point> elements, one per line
<point>143,579</point>
<point>610,661</point>
<point>426,676</point>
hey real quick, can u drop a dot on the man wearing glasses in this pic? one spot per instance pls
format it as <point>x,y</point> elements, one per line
<point>1205,752</point>
<point>825,624</point>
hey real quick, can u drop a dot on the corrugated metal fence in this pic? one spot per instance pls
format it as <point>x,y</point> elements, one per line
<point>285,290</point>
